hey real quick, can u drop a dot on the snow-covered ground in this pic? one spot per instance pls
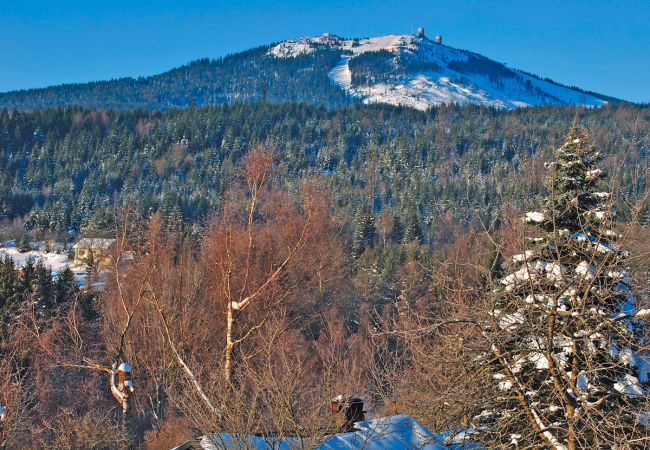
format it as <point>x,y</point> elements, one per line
<point>307,45</point>
<point>57,262</point>
<point>423,89</point>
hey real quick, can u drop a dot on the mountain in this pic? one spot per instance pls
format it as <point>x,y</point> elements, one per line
<point>412,70</point>
<point>408,70</point>
<point>240,78</point>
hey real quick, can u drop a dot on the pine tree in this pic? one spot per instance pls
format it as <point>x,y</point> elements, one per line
<point>364,231</point>
<point>27,279</point>
<point>43,286</point>
<point>412,230</point>
<point>565,336</point>
<point>23,246</point>
<point>66,286</point>
<point>9,282</point>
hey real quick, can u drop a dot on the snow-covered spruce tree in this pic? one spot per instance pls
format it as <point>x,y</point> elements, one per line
<point>566,353</point>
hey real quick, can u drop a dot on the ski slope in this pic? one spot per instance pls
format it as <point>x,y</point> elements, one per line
<point>341,74</point>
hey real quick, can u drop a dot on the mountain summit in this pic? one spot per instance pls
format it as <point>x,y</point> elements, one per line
<point>408,70</point>
<point>413,70</point>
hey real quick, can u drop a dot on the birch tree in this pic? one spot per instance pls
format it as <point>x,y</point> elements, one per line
<point>263,248</point>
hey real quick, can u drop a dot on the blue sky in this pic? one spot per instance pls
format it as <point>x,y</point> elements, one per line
<point>599,45</point>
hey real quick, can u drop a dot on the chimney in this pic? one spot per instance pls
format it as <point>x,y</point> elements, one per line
<point>350,410</point>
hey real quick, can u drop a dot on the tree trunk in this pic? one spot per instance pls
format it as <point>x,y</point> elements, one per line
<point>230,344</point>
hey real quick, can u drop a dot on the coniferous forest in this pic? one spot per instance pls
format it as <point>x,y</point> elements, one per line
<point>243,77</point>
<point>269,258</point>
<point>64,170</point>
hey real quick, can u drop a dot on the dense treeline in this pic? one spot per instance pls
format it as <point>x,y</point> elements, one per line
<point>244,77</point>
<point>33,283</point>
<point>374,67</point>
<point>63,169</point>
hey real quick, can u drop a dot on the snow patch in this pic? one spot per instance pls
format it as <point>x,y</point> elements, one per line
<point>555,271</point>
<point>534,217</point>
<point>505,385</point>
<point>521,257</point>
<point>509,321</point>
<point>341,75</point>
<point>601,195</point>
<point>594,173</point>
<point>539,359</point>
<point>629,385</point>
<point>56,262</point>
<point>586,270</point>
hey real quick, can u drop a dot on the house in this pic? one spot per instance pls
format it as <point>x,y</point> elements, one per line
<point>92,250</point>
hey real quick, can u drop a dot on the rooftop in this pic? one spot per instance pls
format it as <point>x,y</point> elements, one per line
<point>93,243</point>
<point>384,433</point>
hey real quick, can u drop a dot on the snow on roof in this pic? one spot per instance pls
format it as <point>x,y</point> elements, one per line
<point>385,433</point>
<point>95,243</point>
<point>125,367</point>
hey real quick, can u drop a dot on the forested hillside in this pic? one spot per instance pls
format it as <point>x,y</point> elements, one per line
<point>309,282</point>
<point>64,169</point>
<point>279,255</point>
<point>327,70</point>
<point>243,77</point>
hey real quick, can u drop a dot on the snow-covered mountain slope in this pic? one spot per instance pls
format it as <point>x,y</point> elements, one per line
<point>326,70</point>
<point>415,71</point>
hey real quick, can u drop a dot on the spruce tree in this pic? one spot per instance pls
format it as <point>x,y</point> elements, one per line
<point>567,358</point>
<point>66,286</point>
<point>23,246</point>
<point>364,232</point>
<point>9,282</point>
<point>492,265</point>
<point>412,230</point>
<point>27,279</point>
<point>43,286</point>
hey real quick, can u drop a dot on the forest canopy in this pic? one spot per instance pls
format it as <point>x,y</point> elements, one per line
<point>63,170</point>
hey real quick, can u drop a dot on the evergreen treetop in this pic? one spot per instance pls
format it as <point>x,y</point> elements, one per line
<point>568,362</point>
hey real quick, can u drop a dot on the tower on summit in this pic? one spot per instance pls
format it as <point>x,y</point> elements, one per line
<point>420,32</point>
<point>437,39</point>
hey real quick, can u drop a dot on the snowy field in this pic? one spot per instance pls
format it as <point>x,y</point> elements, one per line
<point>57,262</point>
